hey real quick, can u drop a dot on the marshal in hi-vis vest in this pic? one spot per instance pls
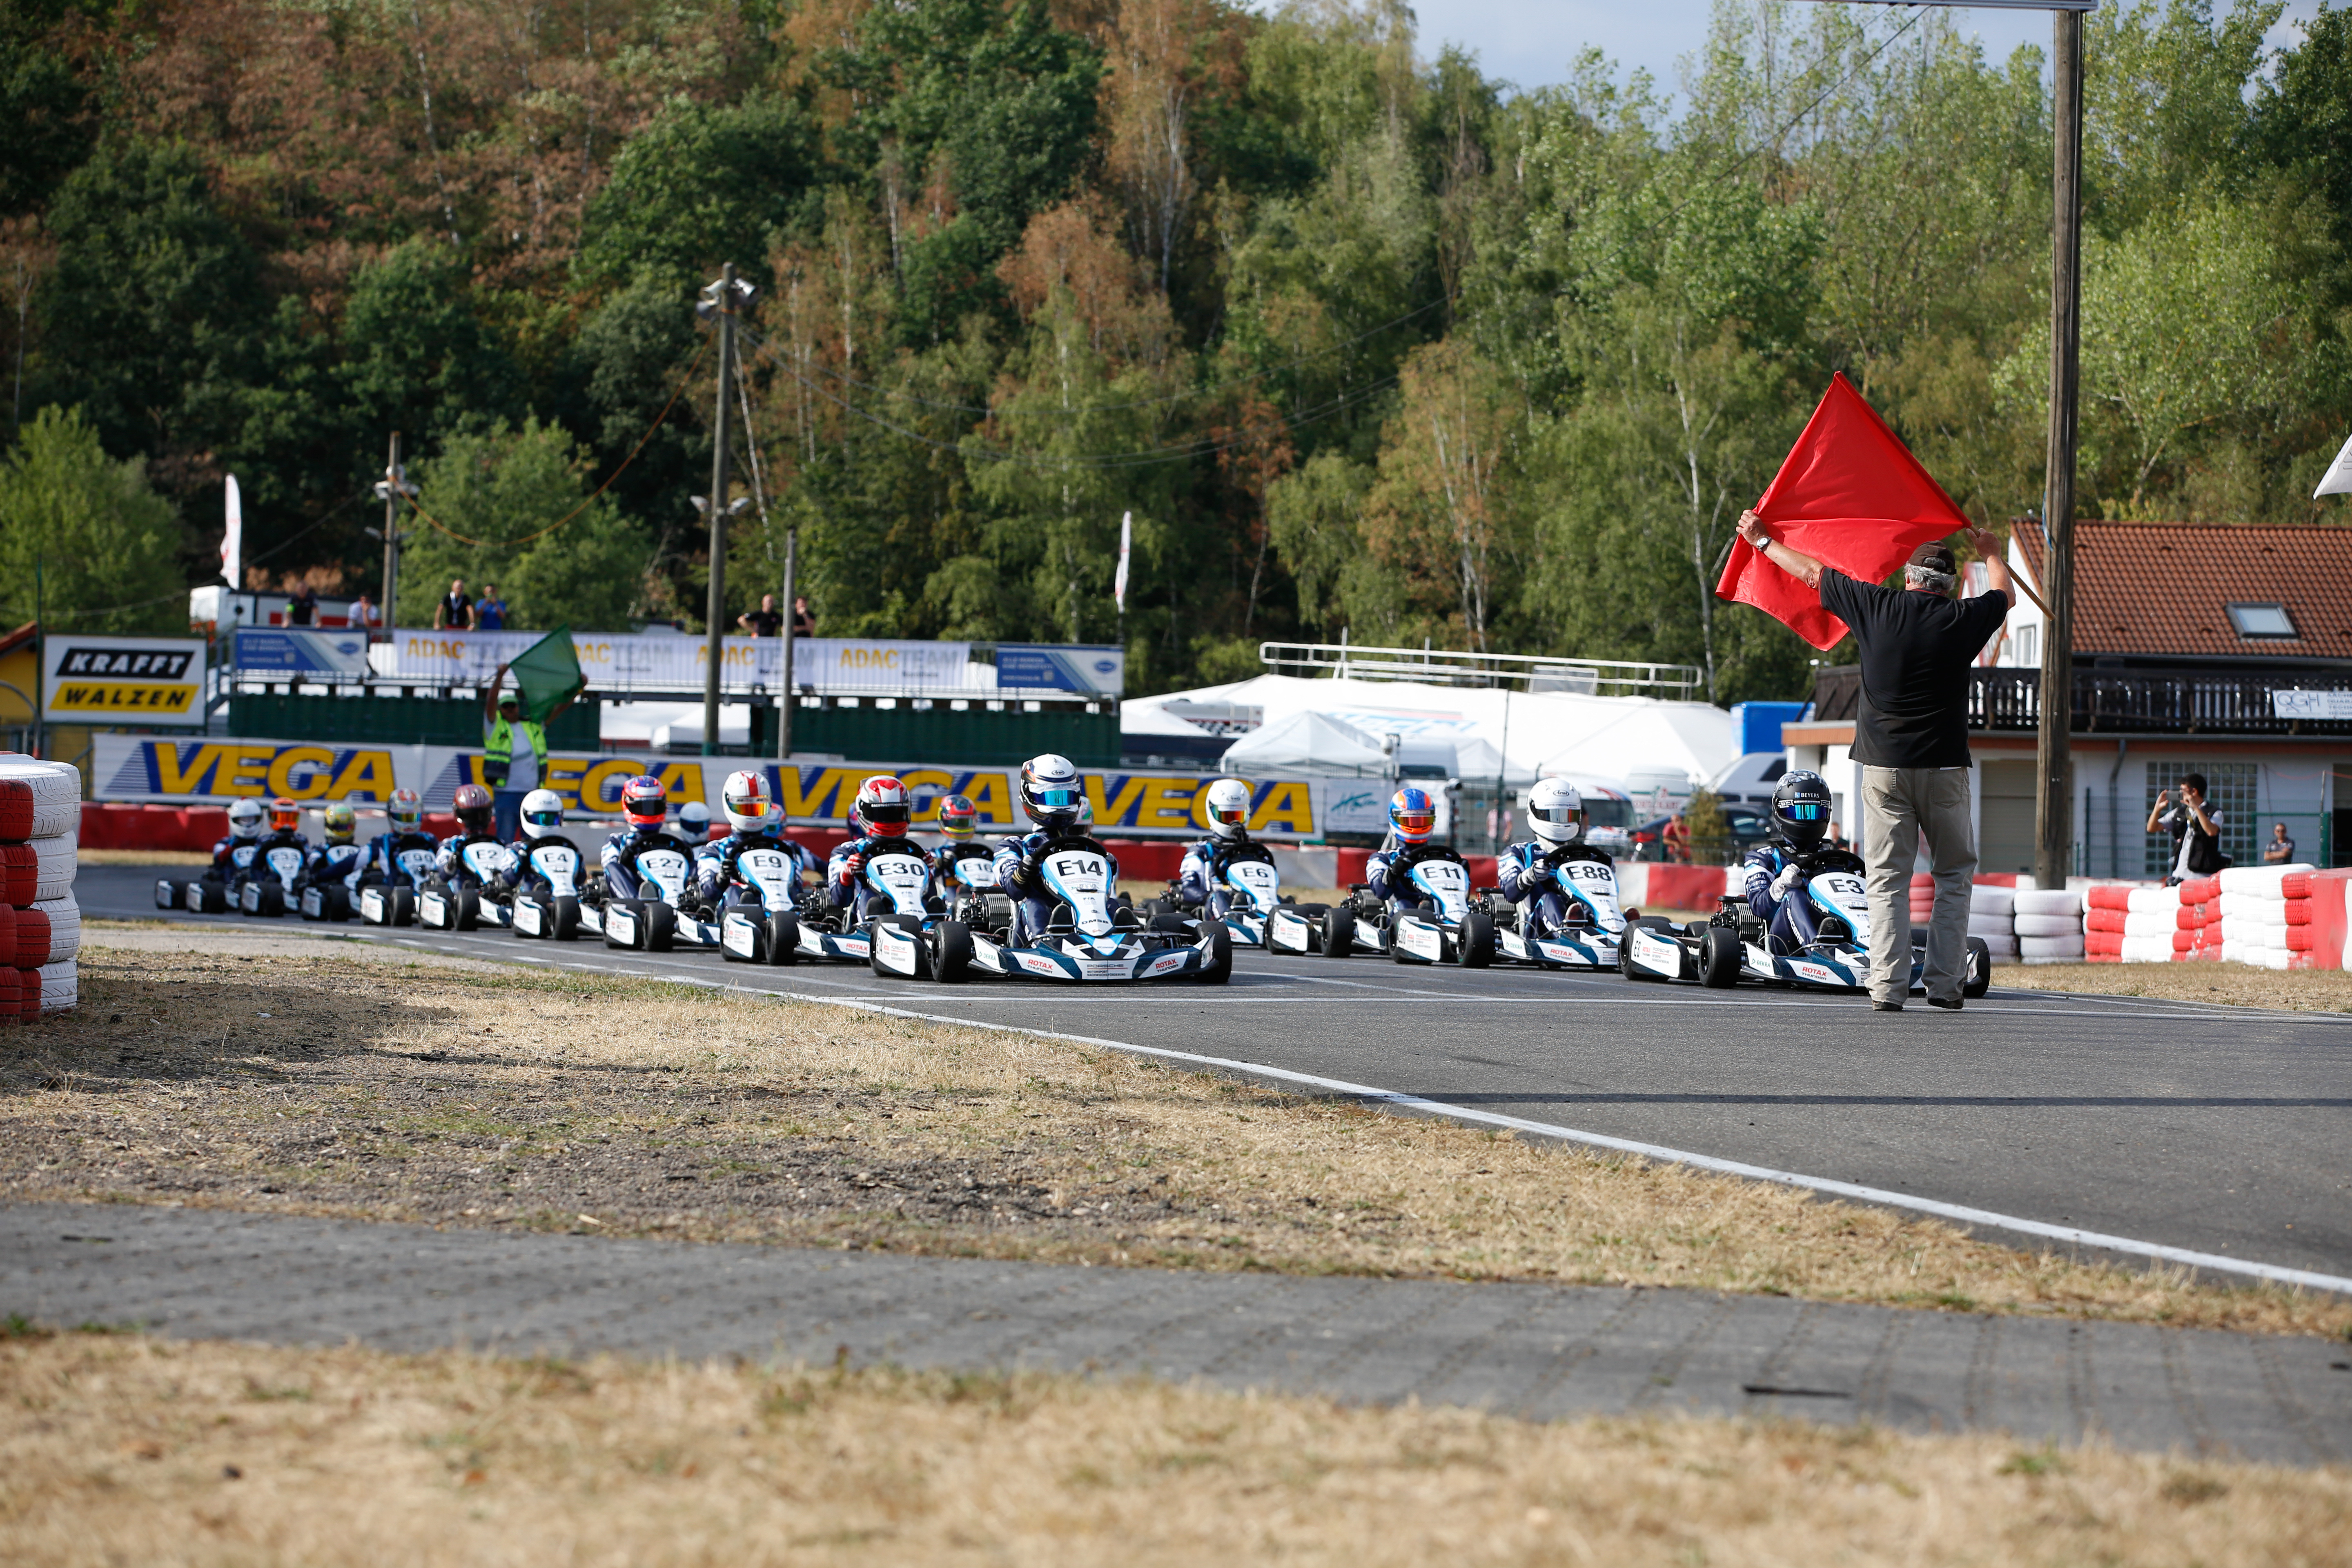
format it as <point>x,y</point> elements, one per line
<point>498,749</point>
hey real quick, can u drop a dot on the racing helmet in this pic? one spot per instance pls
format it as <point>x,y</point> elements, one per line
<point>884,808</point>
<point>405,811</point>
<point>644,803</point>
<point>694,818</point>
<point>285,817</point>
<point>543,811</point>
<point>1801,810</point>
<point>1413,815</point>
<point>1556,811</point>
<point>959,819</point>
<point>744,799</point>
<point>1228,807</point>
<point>472,805</point>
<point>340,821</point>
<point>245,818</point>
<point>1050,792</point>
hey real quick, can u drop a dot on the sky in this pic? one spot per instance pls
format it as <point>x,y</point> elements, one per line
<point>1530,42</point>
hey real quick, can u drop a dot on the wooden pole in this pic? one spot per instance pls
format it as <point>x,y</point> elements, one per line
<point>2053,858</point>
<point>785,700</point>
<point>718,602</point>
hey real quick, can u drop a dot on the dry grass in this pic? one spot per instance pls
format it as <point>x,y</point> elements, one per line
<point>124,1449</point>
<point>2239,985</point>
<point>363,1085</point>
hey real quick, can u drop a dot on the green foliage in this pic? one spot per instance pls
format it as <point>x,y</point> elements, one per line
<point>703,185</point>
<point>417,355</point>
<point>104,542</point>
<point>512,489</point>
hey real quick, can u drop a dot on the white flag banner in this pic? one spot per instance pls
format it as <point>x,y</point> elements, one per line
<point>2338,480</point>
<point>233,540</point>
<point>1126,540</point>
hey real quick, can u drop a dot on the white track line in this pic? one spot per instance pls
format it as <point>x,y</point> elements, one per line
<point>2275,1273</point>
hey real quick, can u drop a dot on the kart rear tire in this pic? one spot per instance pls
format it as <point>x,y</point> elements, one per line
<point>1218,967</point>
<point>1173,924</point>
<point>403,906</point>
<point>1475,948</point>
<point>565,919</point>
<point>1977,978</point>
<point>783,939</point>
<point>1718,958</point>
<point>657,927</point>
<point>335,903</point>
<point>1338,933</point>
<point>950,951</point>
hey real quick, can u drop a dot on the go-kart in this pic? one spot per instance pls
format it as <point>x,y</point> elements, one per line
<point>393,903</point>
<point>473,893</point>
<point>764,928</point>
<point>652,924</point>
<point>326,887</point>
<point>917,938</point>
<point>1091,937</point>
<point>208,895</point>
<point>1447,927</point>
<point>1251,891</point>
<point>1591,929</point>
<point>546,901</point>
<point>272,884</point>
<point>1733,945</point>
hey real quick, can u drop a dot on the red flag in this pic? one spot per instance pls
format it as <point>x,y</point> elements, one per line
<point>1850,494</point>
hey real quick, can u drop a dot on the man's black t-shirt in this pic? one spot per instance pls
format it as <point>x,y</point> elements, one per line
<point>1915,652</point>
<point>457,612</point>
<point>765,622</point>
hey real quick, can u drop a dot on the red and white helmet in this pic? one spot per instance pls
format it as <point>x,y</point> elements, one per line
<point>746,800</point>
<point>644,802</point>
<point>884,808</point>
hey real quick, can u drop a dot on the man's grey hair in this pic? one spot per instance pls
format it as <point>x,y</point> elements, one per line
<point>1932,581</point>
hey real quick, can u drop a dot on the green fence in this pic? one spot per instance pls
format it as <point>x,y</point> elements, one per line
<point>941,734</point>
<point>391,720</point>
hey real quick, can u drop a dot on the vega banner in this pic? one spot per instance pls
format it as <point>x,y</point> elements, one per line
<point>667,662</point>
<point>1126,805</point>
<point>124,680</point>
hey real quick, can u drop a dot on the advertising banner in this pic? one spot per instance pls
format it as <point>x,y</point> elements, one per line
<point>668,662</point>
<point>1096,671</point>
<point>1126,805</point>
<point>2318,705</point>
<point>124,680</point>
<point>299,651</point>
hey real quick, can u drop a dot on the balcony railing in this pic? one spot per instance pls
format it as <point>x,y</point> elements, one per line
<point>2114,702</point>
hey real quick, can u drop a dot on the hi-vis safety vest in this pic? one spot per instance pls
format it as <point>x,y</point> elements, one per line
<point>498,752</point>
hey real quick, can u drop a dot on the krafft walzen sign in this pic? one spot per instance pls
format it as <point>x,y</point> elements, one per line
<point>124,680</point>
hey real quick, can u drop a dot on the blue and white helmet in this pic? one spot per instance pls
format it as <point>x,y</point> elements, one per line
<point>1413,815</point>
<point>1051,793</point>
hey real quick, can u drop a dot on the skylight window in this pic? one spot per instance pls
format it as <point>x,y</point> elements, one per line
<point>2262,620</point>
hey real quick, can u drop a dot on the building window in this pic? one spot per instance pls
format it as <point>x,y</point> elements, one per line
<point>2029,647</point>
<point>2262,620</point>
<point>2229,789</point>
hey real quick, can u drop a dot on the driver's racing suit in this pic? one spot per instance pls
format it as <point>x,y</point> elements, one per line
<point>1388,872</point>
<point>714,866</point>
<point>1789,917</point>
<point>332,863</point>
<point>224,867</point>
<point>1201,879</point>
<point>619,860</point>
<point>844,886</point>
<point>943,864</point>
<point>379,863</point>
<point>1020,880</point>
<point>522,874</point>
<point>1528,874</point>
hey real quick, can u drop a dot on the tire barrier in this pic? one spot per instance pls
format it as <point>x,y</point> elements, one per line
<point>2049,925</point>
<point>2272,917</point>
<point>40,923</point>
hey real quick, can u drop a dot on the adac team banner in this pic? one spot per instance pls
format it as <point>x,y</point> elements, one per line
<point>1126,805</point>
<point>124,680</point>
<point>651,661</point>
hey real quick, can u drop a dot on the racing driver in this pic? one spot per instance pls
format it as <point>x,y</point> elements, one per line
<point>644,805</point>
<point>959,826</point>
<point>1536,874</point>
<point>1201,879</point>
<point>1413,817</point>
<point>1052,798</point>
<point>881,818</point>
<point>753,823</point>
<point>1779,868</point>
<point>474,809</point>
<point>404,830</point>
<point>233,854</point>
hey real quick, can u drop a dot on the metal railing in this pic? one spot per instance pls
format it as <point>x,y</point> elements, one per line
<point>2120,702</point>
<point>1448,666</point>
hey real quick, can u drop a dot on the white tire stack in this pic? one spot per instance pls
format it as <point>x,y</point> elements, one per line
<point>2049,925</point>
<point>2266,916</point>
<point>1992,913</point>
<point>40,923</point>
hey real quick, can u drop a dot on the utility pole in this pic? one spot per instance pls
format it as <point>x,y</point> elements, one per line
<point>2053,857</point>
<point>785,700</point>
<point>720,298</point>
<point>392,489</point>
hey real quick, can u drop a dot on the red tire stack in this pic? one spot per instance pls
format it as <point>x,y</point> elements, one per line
<point>2202,897</point>
<point>40,923</point>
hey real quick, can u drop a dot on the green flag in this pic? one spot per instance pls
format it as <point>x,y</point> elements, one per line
<point>546,673</point>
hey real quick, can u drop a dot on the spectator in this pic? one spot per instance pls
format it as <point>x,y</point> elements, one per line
<point>455,613</point>
<point>1676,847</point>
<point>1837,836</point>
<point>1911,737</point>
<point>2280,850</point>
<point>364,615</point>
<point>763,621</point>
<point>511,777</point>
<point>302,609</point>
<point>490,612</point>
<point>804,620</point>
<point>2195,827</point>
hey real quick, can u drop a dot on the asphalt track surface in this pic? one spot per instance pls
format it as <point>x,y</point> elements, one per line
<point>2219,1131</point>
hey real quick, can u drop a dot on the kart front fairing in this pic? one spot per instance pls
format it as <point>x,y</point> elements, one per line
<point>280,866</point>
<point>1417,937</point>
<point>1253,891</point>
<point>1095,946</point>
<point>1595,928</point>
<point>768,884</point>
<point>550,872</point>
<point>1840,963</point>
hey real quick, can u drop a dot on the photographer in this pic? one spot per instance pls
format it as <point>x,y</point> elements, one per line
<point>2195,827</point>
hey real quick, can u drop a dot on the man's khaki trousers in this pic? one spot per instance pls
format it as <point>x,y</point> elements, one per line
<point>1899,805</point>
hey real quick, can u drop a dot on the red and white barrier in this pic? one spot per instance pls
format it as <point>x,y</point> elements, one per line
<point>40,924</point>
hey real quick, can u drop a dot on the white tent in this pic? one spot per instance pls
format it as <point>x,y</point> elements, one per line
<point>1307,742</point>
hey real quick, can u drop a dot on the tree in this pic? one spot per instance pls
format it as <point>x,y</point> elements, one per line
<point>704,185</point>
<point>104,543</point>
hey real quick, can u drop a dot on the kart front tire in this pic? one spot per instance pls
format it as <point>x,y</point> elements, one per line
<point>1977,979</point>
<point>657,927</point>
<point>269,900</point>
<point>1338,933</point>
<point>565,919</point>
<point>1217,968</point>
<point>950,951</point>
<point>1718,958</point>
<point>403,906</point>
<point>783,939</point>
<point>1475,948</point>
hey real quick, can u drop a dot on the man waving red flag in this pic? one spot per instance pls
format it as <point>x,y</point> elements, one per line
<point>1850,494</point>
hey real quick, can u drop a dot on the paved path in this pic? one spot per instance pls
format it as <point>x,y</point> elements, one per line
<point>1534,1351</point>
<point>2222,1130</point>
